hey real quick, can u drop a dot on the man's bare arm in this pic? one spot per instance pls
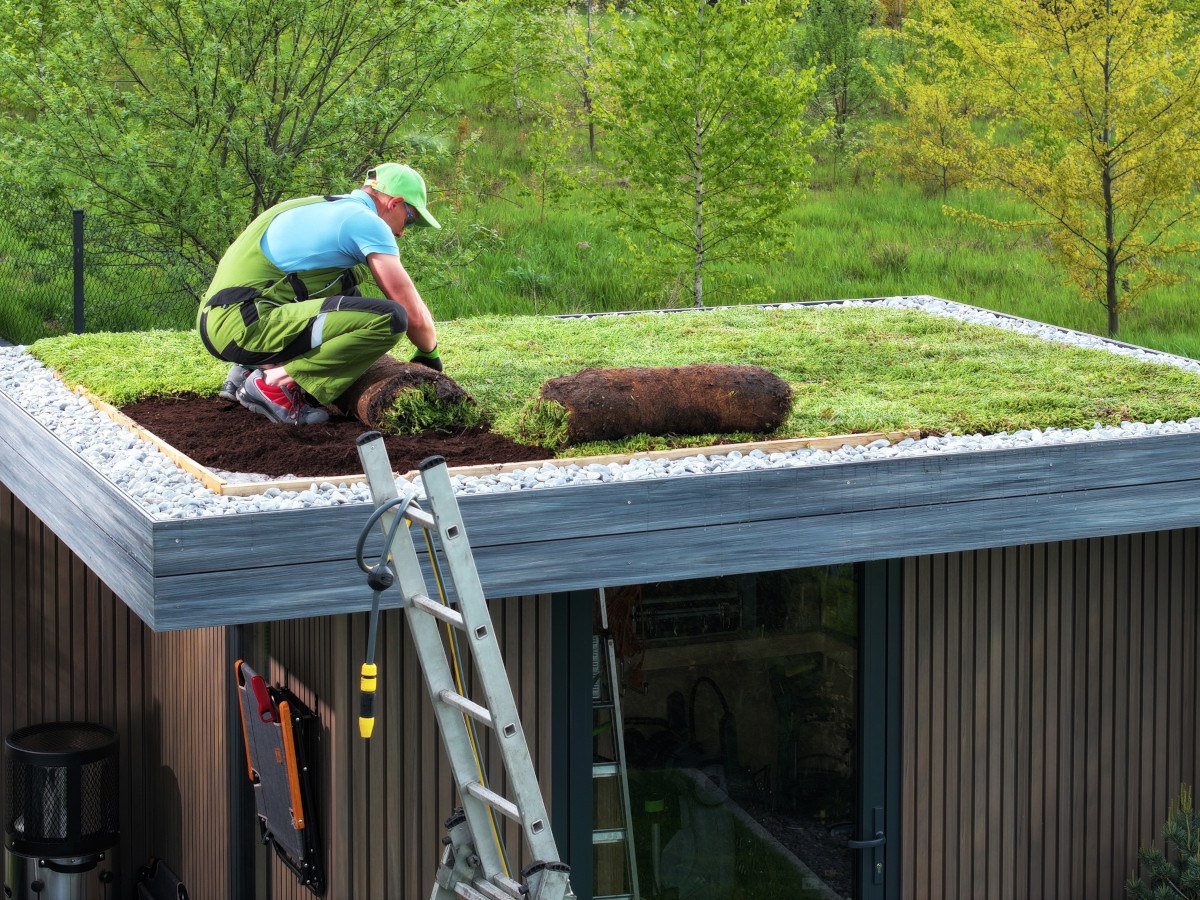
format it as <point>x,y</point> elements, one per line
<point>396,285</point>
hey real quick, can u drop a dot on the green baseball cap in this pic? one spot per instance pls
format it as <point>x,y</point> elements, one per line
<point>399,180</point>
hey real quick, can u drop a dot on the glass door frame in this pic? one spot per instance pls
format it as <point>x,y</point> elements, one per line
<point>880,702</point>
<point>878,734</point>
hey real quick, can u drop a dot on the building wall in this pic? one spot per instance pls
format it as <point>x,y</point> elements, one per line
<point>1050,713</point>
<point>70,650</point>
<point>385,800</point>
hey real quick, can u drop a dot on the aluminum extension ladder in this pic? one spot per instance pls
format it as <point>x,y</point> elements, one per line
<point>606,695</point>
<point>473,864</point>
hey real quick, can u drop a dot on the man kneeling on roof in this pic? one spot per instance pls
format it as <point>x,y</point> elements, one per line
<point>284,306</point>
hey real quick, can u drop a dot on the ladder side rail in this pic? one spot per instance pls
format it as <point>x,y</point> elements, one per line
<point>618,718</point>
<point>608,661</point>
<point>427,641</point>
<point>485,649</point>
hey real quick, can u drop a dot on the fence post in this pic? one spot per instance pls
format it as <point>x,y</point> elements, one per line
<point>77,261</point>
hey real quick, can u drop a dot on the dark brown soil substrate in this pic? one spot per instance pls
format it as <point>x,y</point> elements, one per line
<point>223,435</point>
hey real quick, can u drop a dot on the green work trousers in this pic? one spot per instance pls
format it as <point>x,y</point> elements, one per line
<point>325,344</point>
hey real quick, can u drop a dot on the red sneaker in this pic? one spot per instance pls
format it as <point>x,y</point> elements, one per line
<point>283,404</point>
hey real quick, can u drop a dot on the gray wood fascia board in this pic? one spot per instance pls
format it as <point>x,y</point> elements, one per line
<point>252,540</point>
<point>762,496</point>
<point>101,525</point>
<point>87,489</point>
<point>649,505</point>
<point>880,534</point>
<point>272,593</point>
<point>582,562</point>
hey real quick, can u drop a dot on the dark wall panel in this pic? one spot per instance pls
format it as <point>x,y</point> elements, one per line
<point>71,650</point>
<point>384,800</point>
<point>1050,713</point>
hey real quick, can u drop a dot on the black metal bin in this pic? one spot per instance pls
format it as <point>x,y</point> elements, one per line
<point>61,816</point>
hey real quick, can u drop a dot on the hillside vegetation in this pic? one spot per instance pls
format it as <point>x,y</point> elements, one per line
<point>516,115</point>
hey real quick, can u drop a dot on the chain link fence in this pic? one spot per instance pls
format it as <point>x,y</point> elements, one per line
<point>57,278</point>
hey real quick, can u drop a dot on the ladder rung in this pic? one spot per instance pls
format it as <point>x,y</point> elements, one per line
<point>494,800</point>
<point>488,891</point>
<point>438,610</point>
<point>514,888</point>
<point>605,769</point>
<point>420,517</point>
<point>469,707</point>
<point>609,836</point>
<point>616,897</point>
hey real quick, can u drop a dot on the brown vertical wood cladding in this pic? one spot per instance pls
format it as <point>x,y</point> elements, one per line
<point>70,650</point>
<point>1050,713</point>
<point>384,801</point>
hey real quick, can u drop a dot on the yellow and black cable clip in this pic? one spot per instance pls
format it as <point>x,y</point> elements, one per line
<point>380,577</point>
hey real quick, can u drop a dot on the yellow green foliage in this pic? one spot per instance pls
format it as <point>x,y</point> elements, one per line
<point>1095,110</point>
<point>927,90</point>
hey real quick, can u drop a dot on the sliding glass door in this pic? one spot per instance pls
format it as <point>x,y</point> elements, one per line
<point>755,722</point>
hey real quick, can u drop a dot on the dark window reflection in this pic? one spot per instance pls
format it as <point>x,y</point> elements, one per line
<point>738,699</point>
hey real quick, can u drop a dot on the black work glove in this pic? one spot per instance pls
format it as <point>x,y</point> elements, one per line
<point>431,358</point>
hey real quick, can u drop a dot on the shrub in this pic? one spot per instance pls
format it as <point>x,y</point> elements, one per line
<point>1177,878</point>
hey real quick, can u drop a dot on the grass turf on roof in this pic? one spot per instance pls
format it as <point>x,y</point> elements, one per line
<point>852,370</point>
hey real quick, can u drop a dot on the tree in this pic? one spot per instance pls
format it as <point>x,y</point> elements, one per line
<point>183,119</point>
<point>1097,127</point>
<point>548,144</point>
<point>1177,878</point>
<point>582,39</point>
<point>833,37</point>
<point>928,92</point>
<point>705,119</point>
<point>518,45</point>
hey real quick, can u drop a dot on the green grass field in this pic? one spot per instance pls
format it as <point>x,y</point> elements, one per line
<point>858,233</point>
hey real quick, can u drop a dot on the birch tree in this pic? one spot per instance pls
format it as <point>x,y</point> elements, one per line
<point>1104,99</point>
<point>584,38</point>
<point>704,118</point>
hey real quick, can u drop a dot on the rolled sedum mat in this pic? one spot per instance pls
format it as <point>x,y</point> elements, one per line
<point>608,404</point>
<point>403,397</point>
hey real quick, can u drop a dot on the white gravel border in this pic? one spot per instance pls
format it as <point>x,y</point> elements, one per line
<point>167,492</point>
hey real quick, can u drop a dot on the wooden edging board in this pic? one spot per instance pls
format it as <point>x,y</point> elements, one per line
<point>215,482</point>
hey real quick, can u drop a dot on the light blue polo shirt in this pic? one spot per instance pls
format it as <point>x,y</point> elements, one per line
<point>335,234</point>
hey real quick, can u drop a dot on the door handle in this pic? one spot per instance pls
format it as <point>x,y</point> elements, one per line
<point>877,841</point>
<point>872,873</point>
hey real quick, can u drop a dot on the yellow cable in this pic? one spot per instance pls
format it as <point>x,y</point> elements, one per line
<point>458,683</point>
